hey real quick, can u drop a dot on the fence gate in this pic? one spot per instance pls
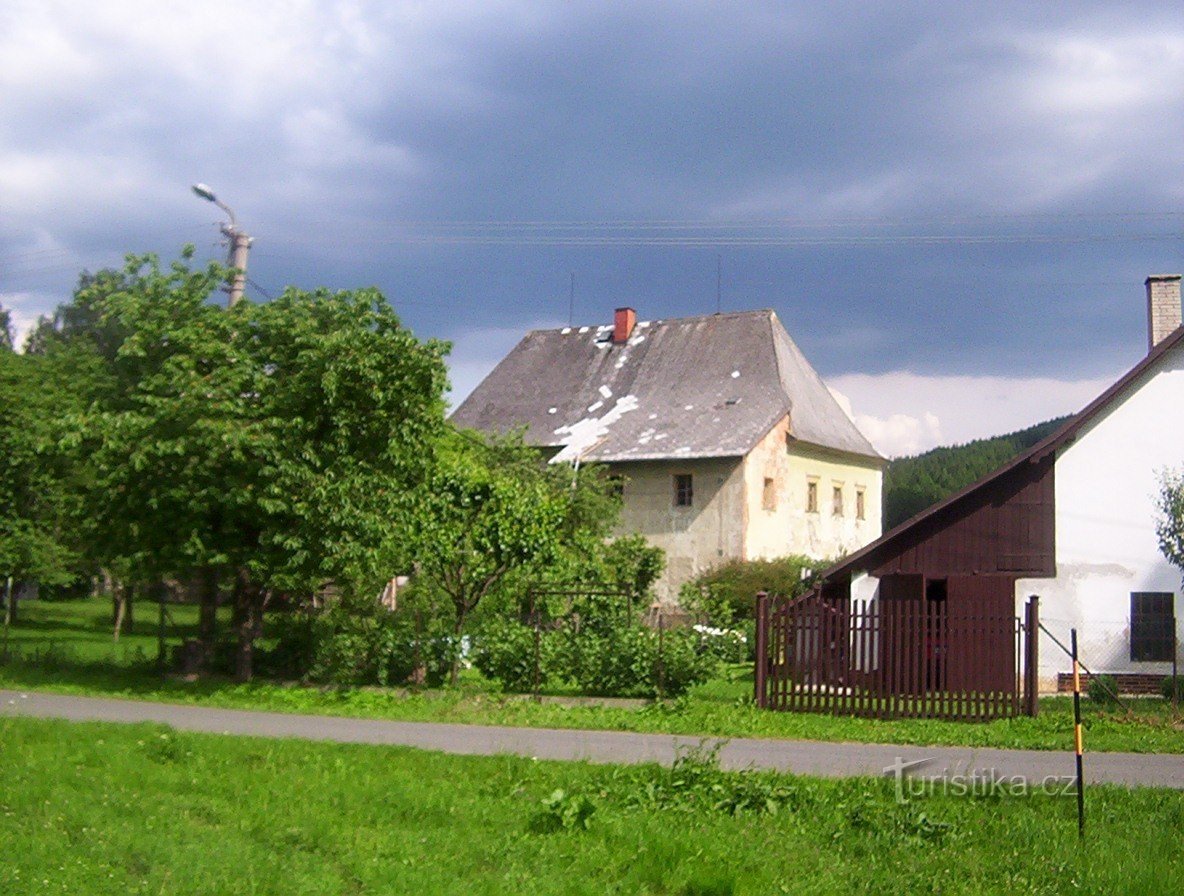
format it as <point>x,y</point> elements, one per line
<point>894,658</point>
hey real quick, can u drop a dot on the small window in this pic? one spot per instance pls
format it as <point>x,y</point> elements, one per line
<point>860,507</point>
<point>811,497</point>
<point>684,490</point>
<point>769,495</point>
<point>616,486</point>
<point>1152,626</point>
<point>836,503</point>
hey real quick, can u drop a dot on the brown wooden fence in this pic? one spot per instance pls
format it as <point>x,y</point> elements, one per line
<point>894,659</point>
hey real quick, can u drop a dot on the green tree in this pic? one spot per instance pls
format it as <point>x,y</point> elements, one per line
<point>1169,523</point>
<point>38,484</point>
<point>276,444</point>
<point>5,330</point>
<point>489,510</point>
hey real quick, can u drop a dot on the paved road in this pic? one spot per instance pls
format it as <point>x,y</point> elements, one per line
<point>801,757</point>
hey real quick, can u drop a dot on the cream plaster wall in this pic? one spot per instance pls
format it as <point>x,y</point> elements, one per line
<point>694,538</point>
<point>823,534</point>
<point>729,518</point>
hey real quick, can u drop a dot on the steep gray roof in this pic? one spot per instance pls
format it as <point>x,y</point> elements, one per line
<point>691,387</point>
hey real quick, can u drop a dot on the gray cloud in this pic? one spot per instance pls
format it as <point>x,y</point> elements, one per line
<point>949,189</point>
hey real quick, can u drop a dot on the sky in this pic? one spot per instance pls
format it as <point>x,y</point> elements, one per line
<point>951,207</point>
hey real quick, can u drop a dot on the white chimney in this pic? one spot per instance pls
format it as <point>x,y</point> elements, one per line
<point>1163,307</point>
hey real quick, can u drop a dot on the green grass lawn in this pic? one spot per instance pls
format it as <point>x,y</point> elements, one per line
<point>67,648</point>
<point>99,808</point>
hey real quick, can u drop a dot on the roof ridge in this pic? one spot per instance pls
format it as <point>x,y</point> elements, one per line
<point>575,328</point>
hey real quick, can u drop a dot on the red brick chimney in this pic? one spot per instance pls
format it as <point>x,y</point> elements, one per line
<point>1163,307</point>
<point>625,318</point>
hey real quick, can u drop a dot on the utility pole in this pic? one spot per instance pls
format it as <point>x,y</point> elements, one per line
<point>240,245</point>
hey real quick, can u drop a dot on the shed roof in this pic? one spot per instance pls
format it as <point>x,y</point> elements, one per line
<point>691,387</point>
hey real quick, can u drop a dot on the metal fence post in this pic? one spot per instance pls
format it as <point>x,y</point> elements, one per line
<point>761,661</point>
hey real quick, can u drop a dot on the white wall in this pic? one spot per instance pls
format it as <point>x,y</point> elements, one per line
<point>1105,533</point>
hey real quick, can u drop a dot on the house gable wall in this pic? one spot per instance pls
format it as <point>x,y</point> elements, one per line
<point>787,527</point>
<point>1106,545</point>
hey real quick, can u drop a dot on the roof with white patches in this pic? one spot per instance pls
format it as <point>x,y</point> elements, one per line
<point>692,387</point>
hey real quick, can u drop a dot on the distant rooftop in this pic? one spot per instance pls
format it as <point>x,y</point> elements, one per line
<point>691,387</point>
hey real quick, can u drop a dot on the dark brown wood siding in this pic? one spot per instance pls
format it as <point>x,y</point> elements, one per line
<point>1005,526</point>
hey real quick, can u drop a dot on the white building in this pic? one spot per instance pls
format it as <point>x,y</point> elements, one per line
<point>1071,521</point>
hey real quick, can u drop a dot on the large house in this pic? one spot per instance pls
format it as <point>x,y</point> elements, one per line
<point>1071,521</point>
<point>728,443</point>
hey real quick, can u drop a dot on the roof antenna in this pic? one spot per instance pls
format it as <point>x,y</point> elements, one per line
<point>571,302</point>
<point>719,282</point>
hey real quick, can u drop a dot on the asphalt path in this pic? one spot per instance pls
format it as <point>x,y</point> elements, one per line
<point>978,768</point>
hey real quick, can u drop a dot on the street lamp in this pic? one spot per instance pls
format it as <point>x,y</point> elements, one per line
<point>240,244</point>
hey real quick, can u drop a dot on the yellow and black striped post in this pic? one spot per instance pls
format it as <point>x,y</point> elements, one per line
<point>1077,745</point>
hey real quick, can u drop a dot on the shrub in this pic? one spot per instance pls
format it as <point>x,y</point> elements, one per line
<point>634,661</point>
<point>728,645</point>
<point>504,651</point>
<point>1103,690</point>
<point>726,595</point>
<point>1165,688</point>
<point>358,642</point>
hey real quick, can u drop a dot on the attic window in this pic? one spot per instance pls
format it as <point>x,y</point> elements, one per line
<point>860,505</point>
<point>812,496</point>
<point>684,490</point>
<point>836,503</point>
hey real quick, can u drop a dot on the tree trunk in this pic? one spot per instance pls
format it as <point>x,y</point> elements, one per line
<point>118,606</point>
<point>122,598</point>
<point>454,673</point>
<point>207,618</point>
<point>248,619</point>
<point>7,615</point>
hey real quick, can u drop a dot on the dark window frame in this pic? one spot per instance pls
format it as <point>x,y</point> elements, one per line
<point>1153,622</point>
<point>684,490</point>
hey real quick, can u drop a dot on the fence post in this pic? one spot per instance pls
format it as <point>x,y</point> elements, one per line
<point>761,661</point>
<point>1032,655</point>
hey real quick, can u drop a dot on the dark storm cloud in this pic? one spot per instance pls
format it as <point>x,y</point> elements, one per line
<point>949,188</point>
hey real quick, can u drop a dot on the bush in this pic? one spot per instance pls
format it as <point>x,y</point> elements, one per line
<point>504,651</point>
<point>358,642</point>
<point>726,595</point>
<point>1165,688</point>
<point>728,645</point>
<point>1103,690</point>
<point>600,659</point>
<point>635,661</point>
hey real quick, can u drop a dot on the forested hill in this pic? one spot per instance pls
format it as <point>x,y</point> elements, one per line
<point>913,483</point>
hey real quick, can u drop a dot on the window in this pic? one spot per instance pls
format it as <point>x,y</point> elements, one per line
<point>860,508</point>
<point>1152,626</point>
<point>616,485</point>
<point>836,501</point>
<point>684,490</point>
<point>811,496</point>
<point>769,495</point>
